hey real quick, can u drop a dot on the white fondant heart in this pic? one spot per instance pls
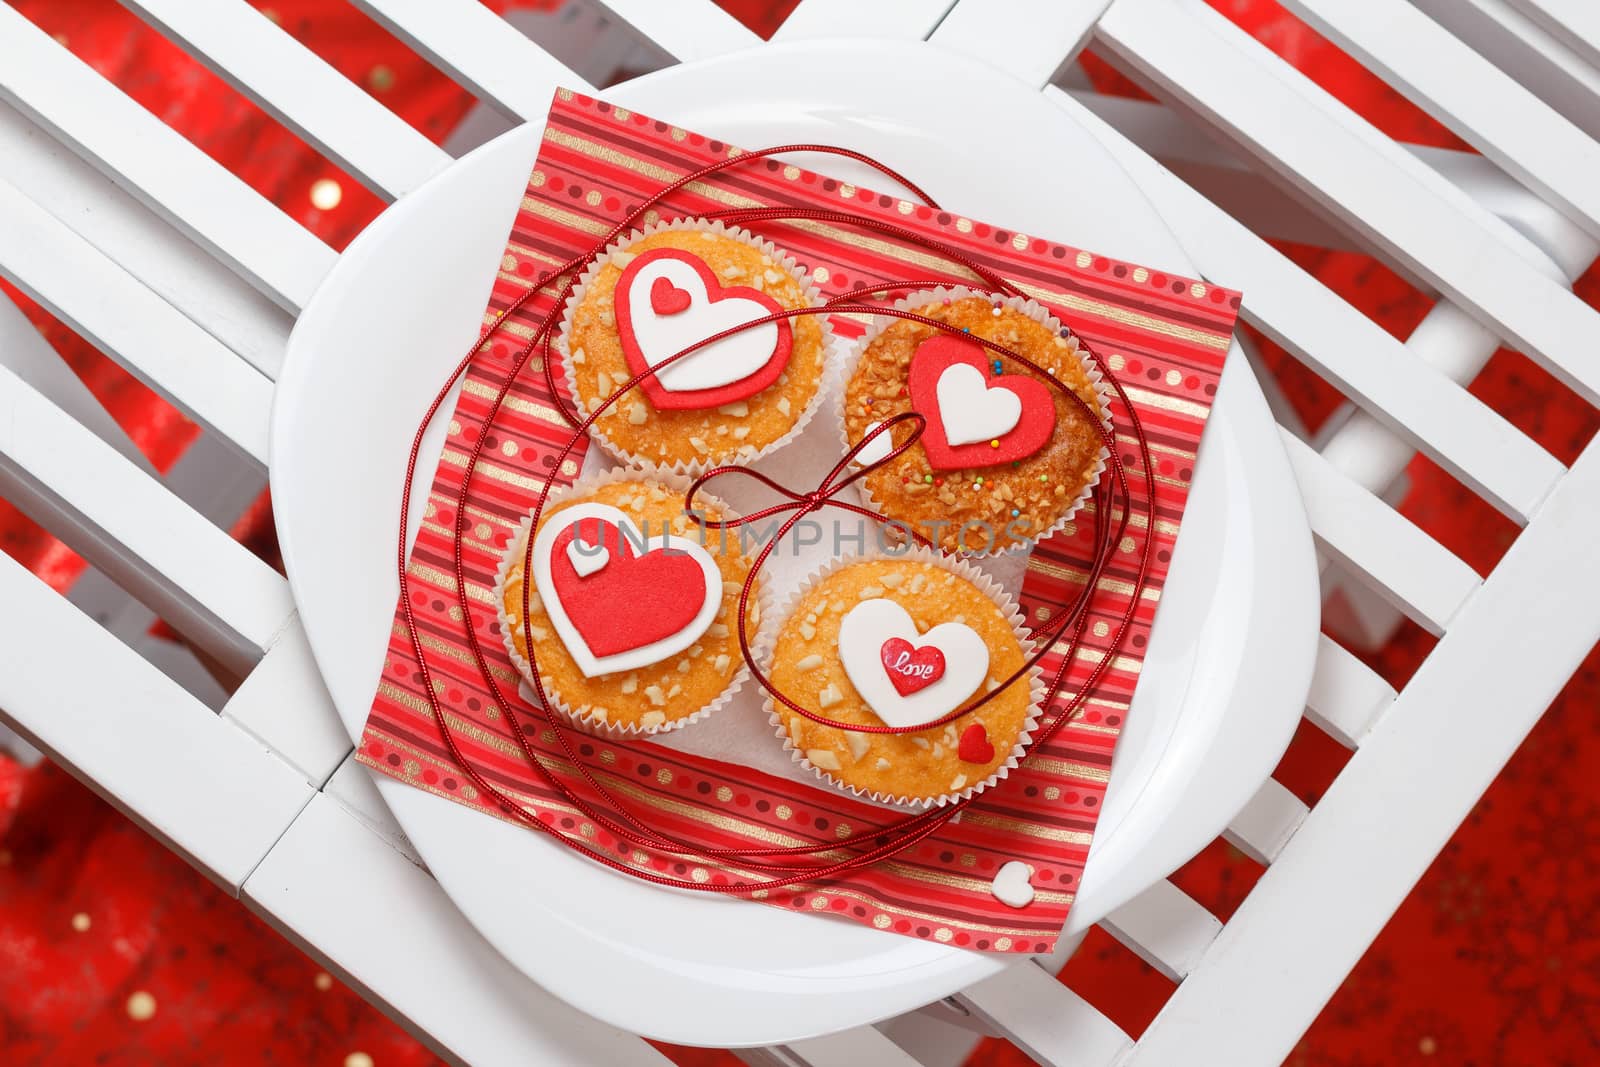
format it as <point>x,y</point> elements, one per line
<point>970,410</point>
<point>877,449</point>
<point>586,558</point>
<point>1011,885</point>
<point>662,336</point>
<point>644,655</point>
<point>861,636</point>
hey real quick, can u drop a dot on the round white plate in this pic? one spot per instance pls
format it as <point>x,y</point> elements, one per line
<point>1229,662</point>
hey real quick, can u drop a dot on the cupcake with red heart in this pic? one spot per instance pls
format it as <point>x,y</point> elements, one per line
<point>1005,458</point>
<point>632,611</point>
<point>661,289</point>
<point>903,640</point>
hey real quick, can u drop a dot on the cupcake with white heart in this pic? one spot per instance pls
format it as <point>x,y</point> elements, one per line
<point>903,641</point>
<point>631,613</point>
<point>1005,458</point>
<point>658,291</point>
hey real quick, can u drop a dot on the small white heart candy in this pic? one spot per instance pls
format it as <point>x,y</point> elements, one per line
<point>586,558</point>
<point>1011,886</point>
<point>877,449</point>
<point>970,410</point>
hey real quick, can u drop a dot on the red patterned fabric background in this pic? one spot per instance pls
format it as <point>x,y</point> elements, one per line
<point>113,951</point>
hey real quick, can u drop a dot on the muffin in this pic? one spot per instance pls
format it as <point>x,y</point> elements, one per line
<point>899,641</point>
<point>1005,458</point>
<point>632,634</point>
<point>661,289</point>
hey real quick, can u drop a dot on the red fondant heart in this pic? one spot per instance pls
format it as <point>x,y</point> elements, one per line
<point>634,600</point>
<point>975,746</point>
<point>1031,433</point>
<point>668,299</point>
<point>911,667</point>
<point>694,399</point>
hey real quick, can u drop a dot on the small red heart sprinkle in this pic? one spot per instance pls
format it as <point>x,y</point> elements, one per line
<point>975,746</point>
<point>668,299</point>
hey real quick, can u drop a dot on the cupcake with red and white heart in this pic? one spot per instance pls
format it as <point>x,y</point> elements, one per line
<point>1005,458</point>
<point>903,640</point>
<point>663,288</point>
<point>632,613</point>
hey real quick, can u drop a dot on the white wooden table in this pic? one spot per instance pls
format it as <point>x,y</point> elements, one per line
<point>184,275</point>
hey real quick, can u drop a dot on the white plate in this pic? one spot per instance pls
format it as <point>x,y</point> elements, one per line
<point>1228,665</point>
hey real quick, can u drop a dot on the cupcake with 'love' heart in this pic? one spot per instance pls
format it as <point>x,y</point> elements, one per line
<point>632,612</point>
<point>1006,458</point>
<point>903,640</point>
<point>659,290</point>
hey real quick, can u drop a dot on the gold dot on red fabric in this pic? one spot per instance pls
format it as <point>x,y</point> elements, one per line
<point>326,194</point>
<point>141,1006</point>
<point>380,78</point>
<point>80,922</point>
<point>323,981</point>
<point>358,1059</point>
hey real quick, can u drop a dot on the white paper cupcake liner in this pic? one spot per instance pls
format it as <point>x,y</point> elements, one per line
<point>1034,310</point>
<point>655,465</point>
<point>766,644</point>
<point>513,557</point>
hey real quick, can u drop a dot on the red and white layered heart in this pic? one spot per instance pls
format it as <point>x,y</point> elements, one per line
<point>908,678</point>
<point>976,419</point>
<point>667,299</point>
<point>620,600</point>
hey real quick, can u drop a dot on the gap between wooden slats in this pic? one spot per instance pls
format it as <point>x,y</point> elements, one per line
<point>145,245</point>
<point>1482,104</point>
<point>301,90</point>
<point>480,51</point>
<point>1410,398</point>
<point>1339,162</point>
<point>689,29</point>
<point>156,165</point>
<point>1417,574</point>
<point>109,308</point>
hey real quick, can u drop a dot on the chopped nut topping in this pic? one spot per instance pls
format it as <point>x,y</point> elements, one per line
<point>637,414</point>
<point>630,684</point>
<point>958,782</point>
<point>868,592</point>
<point>859,743</point>
<point>783,405</point>
<point>823,757</point>
<point>738,409</point>
<point>721,664</point>
<point>717,629</point>
<point>655,695</point>
<point>893,581</point>
<point>651,719</point>
<point>807,631</point>
<point>684,664</point>
<point>829,696</point>
<point>809,663</point>
<point>920,742</point>
<point>882,764</point>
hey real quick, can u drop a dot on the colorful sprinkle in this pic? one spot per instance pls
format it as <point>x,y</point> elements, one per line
<point>994,444</point>
<point>927,477</point>
<point>997,311</point>
<point>966,329</point>
<point>1015,513</point>
<point>1065,332</point>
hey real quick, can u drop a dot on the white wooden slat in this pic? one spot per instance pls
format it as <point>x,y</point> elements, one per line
<point>111,310</point>
<point>847,1048</point>
<point>1576,23</point>
<point>1412,399</point>
<point>384,926</point>
<point>1528,52</point>
<point>1411,214</point>
<point>689,29</point>
<point>939,1035</point>
<point>479,50</point>
<point>352,786</point>
<point>1470,95</point>
<point>911,20</point>
<point>297,87</point>
<point>1398,800</point>
<point>165,172</point>
<point>135,737</point>
<point>1029,39</point>
<point>1026,1005</point>
<point>136,239</point>
<point>1420,576</point>
<point>1165,927</point>
<point>284,704</point>
<point>1267,823</point>
<point>1347,697</point>
<point>130,526</point>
